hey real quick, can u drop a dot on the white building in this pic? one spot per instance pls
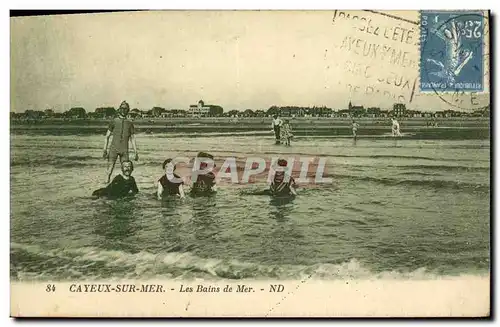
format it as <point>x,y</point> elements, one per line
<point>198,110</point>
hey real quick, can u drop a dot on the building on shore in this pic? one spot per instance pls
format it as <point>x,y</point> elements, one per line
<point>198,110</point>
<point>356,111</point>
<point>204,110</point>
<point>399,110</point>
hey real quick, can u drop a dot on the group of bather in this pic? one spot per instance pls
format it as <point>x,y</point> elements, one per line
<point>121,131</point>
<point>283,130</point>
<point>171,184</point>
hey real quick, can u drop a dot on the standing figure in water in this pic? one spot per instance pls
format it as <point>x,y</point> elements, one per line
<point>395,127</point>
<point>286,132</point>
<point>276,125</point>
<point>355,126</point>
<point>170,183</point>
<point>122,131</point>
<point>122,185</point>
<point>283,183</point>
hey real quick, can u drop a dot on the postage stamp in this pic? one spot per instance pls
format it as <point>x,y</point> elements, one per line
<point>451,51</point>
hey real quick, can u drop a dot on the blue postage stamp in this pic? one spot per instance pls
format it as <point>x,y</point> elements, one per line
<point>451,51</point>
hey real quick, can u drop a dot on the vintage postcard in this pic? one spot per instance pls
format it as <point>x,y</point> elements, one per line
<point>321,163</point>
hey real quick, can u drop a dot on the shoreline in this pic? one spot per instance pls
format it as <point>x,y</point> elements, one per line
<point>412,128</point>
<point>373,131</point>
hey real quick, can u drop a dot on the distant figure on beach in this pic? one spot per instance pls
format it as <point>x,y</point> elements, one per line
<point>395,127</point>
<point>122,131</point>
<point>170,183</point>
<point>286,132</point>
<point>283,183</point>
<point>122,185</point>
<point>205,181</point>
<point>355,126</point>
<point>276,126</point>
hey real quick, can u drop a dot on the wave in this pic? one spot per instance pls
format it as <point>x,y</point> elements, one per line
<point>57,161</point>
<point>438,184</point>
<point>441,167</point>
<point>418,173</point>
<point>93,263</point>
<point>76,159</point>
<point>329,131</point>
<point>208,134</point>
<point>390,156</point>
<point>377,156</point>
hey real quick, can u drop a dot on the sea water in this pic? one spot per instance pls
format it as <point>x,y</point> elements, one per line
<point>396,208</point>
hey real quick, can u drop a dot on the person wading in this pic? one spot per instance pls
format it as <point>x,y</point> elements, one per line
<point>276,125</point>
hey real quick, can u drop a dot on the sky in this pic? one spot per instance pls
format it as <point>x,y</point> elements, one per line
<point>239,60</point>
